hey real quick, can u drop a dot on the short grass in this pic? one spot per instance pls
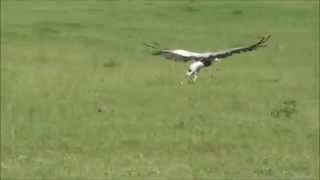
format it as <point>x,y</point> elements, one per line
<point>82,98</point>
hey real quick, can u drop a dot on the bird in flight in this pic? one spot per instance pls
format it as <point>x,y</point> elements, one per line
<point>201,60</point>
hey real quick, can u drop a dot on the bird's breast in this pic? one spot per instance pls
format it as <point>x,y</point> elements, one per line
<point>196,66</point>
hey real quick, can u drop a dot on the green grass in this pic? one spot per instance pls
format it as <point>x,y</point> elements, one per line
<point>83,98</point>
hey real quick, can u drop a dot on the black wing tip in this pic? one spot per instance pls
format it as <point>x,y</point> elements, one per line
<point>261,42</point>
<point>265,38</point>
<point>268,37</point>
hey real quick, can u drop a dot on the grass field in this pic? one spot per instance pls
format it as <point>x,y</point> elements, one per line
<point>81,97</point>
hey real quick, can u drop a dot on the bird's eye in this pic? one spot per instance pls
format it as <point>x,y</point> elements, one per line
<point>189,70</point>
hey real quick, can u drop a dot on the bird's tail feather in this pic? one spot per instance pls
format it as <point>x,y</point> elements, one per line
<point>152,44</point>
<point>156,50</point>
<point>149,45</point>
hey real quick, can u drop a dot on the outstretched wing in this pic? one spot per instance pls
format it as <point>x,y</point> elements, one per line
<point>178,55</point>
<point>175,54</point>
<point>229,52</point>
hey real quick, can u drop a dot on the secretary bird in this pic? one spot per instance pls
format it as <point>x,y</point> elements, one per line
<point>201,60</point>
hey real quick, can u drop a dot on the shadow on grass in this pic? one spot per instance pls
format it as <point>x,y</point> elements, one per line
<point>111,63</point>
<point>286,109</point>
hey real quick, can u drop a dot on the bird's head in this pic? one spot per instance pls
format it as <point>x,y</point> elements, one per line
<point>189,72</point>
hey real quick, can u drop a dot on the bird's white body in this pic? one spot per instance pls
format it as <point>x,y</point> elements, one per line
<point>196,66</point>
<point>194,69</point>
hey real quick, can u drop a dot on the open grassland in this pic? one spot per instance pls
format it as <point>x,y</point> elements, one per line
<point>82,98</point>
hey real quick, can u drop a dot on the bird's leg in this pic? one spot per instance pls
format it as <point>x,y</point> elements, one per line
<point>190,78</point>
<point>182,82</point>
<point>195,76</point>
<point>186,79</point>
